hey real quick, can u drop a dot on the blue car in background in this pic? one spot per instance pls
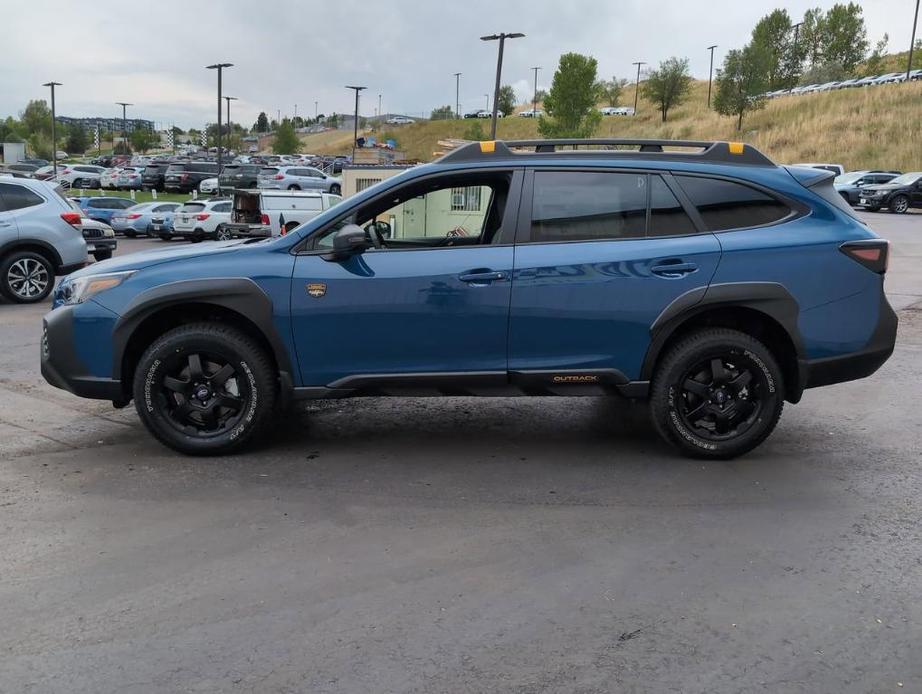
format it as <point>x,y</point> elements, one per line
<point>698,276</point>
<point>146,218</point>
<point>102,208</point>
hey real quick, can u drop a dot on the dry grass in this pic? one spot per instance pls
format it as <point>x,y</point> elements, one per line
<point>876,127</point>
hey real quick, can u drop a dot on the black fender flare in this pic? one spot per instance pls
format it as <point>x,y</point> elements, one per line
<point>238,294</point>
<point>770,298</point>
<point>17,243</point>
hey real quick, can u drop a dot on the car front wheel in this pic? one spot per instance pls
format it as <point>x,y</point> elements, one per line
<point>718,394</point>
<point>205,389</point>
<point>899,204</point>
<point>222,233</point>
<point>26,277</point>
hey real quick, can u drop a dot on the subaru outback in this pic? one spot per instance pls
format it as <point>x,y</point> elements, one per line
<point>698,276</point>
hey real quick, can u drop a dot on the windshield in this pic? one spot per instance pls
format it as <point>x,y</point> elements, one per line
<point>268,172</point>
<point>176,168</point>
<point>906,179</point>
<point>192,207</point>
<point>850,177</point>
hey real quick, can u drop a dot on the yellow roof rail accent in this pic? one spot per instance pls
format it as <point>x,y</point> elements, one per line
<point>736,147</point>
<point>488,147</point>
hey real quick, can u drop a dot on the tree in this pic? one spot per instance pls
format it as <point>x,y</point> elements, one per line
<point>541,95</point>
<point>474,131</point>
<point>773,34</point>
<point>824,72</point>
<point>845,39</point>
<point>810,42</point>
<point>442,113</point>
<point>570,103</point>
<point>506,103</point>
<point>668,85</point>
<point>286,140</point>
<point>76,141</point>
<point>142,140</point>
<point>741,82</point>
<point>610,91</point>
<point>36,118</point>
<point>262,123</point>
<point>874,64</point>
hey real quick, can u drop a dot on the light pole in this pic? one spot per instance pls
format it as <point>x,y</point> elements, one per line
<point>228,99</point>
<point>220,68</point>
<point>499,69</point>
<point>711,73</point>
<point>637,84</point>
<point>457,95</point>
<point>380,113</point>
<point>488,102</point>
<point>534,101</point>
<point>125,124</point>
<point>912,43</point>
<point>315,112</point>
<point>355,125</point>
<point>54,137</point>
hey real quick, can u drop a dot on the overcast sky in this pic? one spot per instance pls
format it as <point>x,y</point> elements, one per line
<point>288,52</point>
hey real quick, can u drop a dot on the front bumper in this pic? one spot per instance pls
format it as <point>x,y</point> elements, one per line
<point>104,243</point>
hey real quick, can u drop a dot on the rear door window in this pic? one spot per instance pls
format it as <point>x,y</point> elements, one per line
<point>667,216</point>
<point>729,205</point>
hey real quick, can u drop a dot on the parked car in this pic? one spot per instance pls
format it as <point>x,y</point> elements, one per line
<point>146,218</point>
<point>99,237</point>
<point>298,178</point>
<point>238,176</point>
<point>184,177</point>
<point>27,170</point>
<point>617,111</point>
<point>152,178</point>
<point>103,208</point>
<point>129,178</point>
<point>531,113</point>
<point>209,186</point>
<point>897,195</point>
<point>837,169</point>
<point>849,185</point>
<point>80,175</point>
<point>889,78</point>
<point>685,279</point>
<point>198,220</point>
<point>44,162</point>
<point>263,213</point>
<point>399,120</point>
<point>43,173</point>
<point>40,237</point>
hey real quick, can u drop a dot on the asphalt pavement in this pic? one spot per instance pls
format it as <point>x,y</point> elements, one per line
<point>466,545</point>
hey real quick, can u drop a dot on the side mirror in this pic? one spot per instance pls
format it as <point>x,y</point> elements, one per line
<point>348,241</point>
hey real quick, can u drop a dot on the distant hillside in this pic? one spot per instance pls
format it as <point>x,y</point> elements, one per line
<point>875,127</point>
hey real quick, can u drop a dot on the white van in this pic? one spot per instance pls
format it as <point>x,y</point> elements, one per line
<point>262,213</point>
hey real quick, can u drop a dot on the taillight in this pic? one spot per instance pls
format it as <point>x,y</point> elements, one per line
<point>278,177</point>
<point>133,215</point>
<point>874,254</point>
<point>264,219</point>
<point>184,177</point>
<point>202,217</point>
<point>66,171</point>
<point>72,218</point>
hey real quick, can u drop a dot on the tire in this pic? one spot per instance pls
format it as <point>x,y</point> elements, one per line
<point>102,255</point>
<point>164,237</point>
<point>743,394</point>
<point>335,189</point>
<point>186,398</point>
<point>899,204</point>
<point>26,277</point>
<point>873,208</point>
<point>129,234</point>
<point>222,234</point>
<point>294,187</point>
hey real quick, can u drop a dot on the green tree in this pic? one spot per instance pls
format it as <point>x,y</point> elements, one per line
<point>76,141</point>
<point>442,113</point>
<point>570,103</point>
<point>610,90</point>
<point>773,33</point>
<point>262,123</point>
<point>541,95</point>
<point>142,140</point>
<point>874,64</point>
<point>668,85</point>
<point>824,72</point>
<point>741,82</point>
<point>474,131</point>
<point>845,38</point>
<point>811,38</point>
<point>36,118</point>
<point>286,140</point>
<point>506,103</point>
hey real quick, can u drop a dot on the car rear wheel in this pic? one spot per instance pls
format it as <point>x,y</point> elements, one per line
<point>899,204</point>
<point>129,234</point>
<point>205,389</point>
<point>26,277</point>
<point>222,233</point>
<point>717,394</point>
<point>294,187</point>
<point>102,255</point>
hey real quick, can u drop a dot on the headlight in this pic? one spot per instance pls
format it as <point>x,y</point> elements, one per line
<point>108,233</point>
<point>79,289</point>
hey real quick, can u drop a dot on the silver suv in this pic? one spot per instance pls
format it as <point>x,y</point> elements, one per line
<point>40,237</point>
<point>298,178</point>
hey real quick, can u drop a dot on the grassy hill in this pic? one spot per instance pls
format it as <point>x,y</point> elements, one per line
<point>877,127</point>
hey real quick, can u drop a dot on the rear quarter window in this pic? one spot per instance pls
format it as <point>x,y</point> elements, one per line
<point>13,197</point>
<point>727,205</point>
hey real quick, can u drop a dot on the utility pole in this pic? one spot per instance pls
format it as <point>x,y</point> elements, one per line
<point>219,67</point>
<point>457,95</point>
<point>711,73</point>
<point>296,112</point>
<point>54,137</point>
<point>355,127</point>
<point>534,101</point>
<point>912,43</point>
<point>228,99</point>
<point>315,111</point>
<point>637,84</point>
<point>488,102</point>
<point>499,69</point>
<point>125,123</point>
<point>380,113</point>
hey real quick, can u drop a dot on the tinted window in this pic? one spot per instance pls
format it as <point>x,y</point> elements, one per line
<point>585,206</point>
<point>165,208</point>
<point>268,172</point>
<point>192,207</point>
<point>727,205</point>
<point>223,207</point>
<point>667,216</point>
<point>13,197</point>
<point>176,168</point>
<point>122,204</point>
<point>231,169</point>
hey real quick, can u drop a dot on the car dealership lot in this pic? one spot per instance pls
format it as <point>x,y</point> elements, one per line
<point>465,544</point>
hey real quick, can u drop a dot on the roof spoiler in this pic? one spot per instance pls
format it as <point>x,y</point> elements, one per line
<point>809,177</point>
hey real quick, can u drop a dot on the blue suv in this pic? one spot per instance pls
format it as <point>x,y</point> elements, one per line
<point>699,276</point>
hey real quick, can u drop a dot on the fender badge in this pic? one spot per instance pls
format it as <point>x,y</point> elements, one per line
<point>316,289</point>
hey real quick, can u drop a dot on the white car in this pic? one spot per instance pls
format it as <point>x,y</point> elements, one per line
<point>201,219</point>
<point>399,120</point>
<point>99,237</point>
<point>262,213</point>
<point>209,186</point>
<point>617,111</point>
<point>531,113</point>
<point>109,179</point>
<point>80,175</point>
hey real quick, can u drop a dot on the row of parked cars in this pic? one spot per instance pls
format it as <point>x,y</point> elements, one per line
<point>870,81</point>
<point>875,189</point>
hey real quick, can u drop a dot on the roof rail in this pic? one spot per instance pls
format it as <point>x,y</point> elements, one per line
<point>715,152</point>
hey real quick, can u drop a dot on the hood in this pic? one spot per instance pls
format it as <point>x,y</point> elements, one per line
<point>145,259</point>
<point>882,186</point>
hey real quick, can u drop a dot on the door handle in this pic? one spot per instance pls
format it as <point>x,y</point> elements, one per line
<point>482,276</point>
<point>673,270</point>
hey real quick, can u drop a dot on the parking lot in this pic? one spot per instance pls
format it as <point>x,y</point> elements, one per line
<point>465,545</point>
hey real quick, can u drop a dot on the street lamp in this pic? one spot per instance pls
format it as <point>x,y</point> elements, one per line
<point>534,103</point>
<point>711,73</point>
<point>228,99</point>
<point>380,113</point>
<point>355,125</point>
<point>499,69</point>
<point>124,125</point>
<point>637,84</point>
<point>457,95</point>
<point>54,138</point>
<point>219,67</point>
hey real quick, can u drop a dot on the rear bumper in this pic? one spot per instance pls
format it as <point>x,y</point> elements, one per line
<point>60,364</point>
<point>250,230</point>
